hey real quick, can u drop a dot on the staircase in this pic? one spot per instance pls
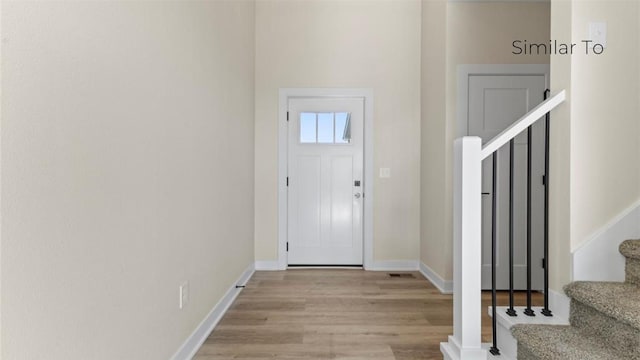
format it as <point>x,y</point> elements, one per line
<point>604,320</point>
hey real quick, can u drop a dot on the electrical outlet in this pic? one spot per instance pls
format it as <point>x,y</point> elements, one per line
<point>385,172</point>
<point>184,294</point>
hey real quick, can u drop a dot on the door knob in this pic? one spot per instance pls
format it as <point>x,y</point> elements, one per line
<point>357,195</point>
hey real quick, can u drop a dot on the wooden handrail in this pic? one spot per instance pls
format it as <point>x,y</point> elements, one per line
<point>522,124</point>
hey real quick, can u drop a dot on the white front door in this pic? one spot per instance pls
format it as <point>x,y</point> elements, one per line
<point>495,102</point>
<point>325,181</point>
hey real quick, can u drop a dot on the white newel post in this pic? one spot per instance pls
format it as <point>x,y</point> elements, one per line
<point>465,344</point>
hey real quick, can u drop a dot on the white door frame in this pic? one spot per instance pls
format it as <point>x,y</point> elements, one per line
<point>283,140</point>
<point>465,71</point>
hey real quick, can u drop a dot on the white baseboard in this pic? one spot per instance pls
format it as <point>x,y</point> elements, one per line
<point>445,286</point>
<point>268,265</point>
<point>598,258</point>
<point>189,348</point>
<point>389,265</point>
<point>393,265</point>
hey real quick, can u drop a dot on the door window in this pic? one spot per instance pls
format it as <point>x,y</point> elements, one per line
<point>325,128</point>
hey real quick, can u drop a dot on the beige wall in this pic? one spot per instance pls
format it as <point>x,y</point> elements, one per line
<point>483,32</point>
<point>595,142</point>
<point>127,168</point>
<point>604,118</point>
<point>476,33</point>
<point>560,150</point>
<point>351,44</point>
<point>436,206</point>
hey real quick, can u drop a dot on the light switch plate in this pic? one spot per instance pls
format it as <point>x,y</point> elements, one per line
<point>385,172</point>
<point>598,33</point>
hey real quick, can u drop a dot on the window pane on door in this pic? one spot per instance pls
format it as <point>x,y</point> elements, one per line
<point>343,128</point>
<point>325,128</point>
<point>307,127</point>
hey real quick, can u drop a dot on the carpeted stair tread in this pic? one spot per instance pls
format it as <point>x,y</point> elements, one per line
<point>630,249</point>
<point>554,342</point>
<point>614,299</point>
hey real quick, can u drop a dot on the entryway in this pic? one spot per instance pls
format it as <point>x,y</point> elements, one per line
<point>325,181</point>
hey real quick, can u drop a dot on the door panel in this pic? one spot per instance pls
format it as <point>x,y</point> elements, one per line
<point>341,211</point>
<point>308,200</point>
<point>326,140</point>
<point>495,102</point>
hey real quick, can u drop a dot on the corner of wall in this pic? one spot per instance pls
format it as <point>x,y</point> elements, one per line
<point>560,186</point>
<point>445,286</point>
<point>434,236</point>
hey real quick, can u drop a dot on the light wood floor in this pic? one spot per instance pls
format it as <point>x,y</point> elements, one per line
<point>335,314</point>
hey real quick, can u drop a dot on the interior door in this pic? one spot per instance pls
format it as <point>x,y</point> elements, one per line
<point>325,181</point>
<point>495,102</point>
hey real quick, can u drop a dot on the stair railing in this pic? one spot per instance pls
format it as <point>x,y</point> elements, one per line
<point>465,343</point>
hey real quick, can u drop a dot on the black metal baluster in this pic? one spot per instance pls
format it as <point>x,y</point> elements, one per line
<point>494,221</point>
<point>528,311</point>
<point>545,311</point>
<point>511,311</point>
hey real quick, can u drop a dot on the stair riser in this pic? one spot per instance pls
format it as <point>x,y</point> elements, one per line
<point>632,271</point>
<point>619,336</point>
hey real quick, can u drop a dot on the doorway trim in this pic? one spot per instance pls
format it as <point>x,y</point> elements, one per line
<point>464,74</point>
<point>466,71</point>
<point>367,226</point>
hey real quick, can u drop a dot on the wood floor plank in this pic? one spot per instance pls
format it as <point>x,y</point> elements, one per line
<point>416,352</point>
<point>256,335</point>
<point>269,305</point>
<point>216,351</point>
<point>348,318</point>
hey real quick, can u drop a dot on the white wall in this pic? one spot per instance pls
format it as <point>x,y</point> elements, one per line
<point>351,44</point>
<point>595,139</point>
<point>475,33</point>
<point>127,168</point>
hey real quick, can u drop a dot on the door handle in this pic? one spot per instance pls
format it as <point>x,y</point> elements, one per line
<point>357,195</point>
<point>486,193</point>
